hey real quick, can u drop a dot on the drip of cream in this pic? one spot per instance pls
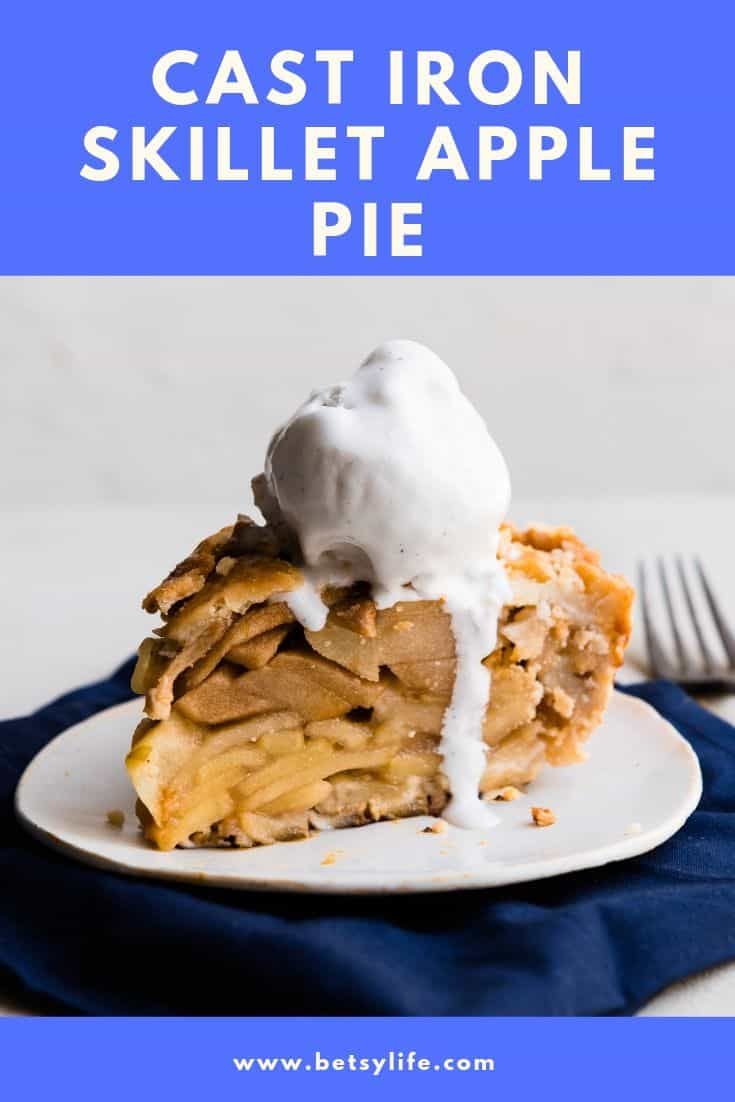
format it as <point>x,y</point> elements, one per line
<point>393,479</point>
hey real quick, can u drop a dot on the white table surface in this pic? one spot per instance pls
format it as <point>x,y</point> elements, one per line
<point>72,579</point>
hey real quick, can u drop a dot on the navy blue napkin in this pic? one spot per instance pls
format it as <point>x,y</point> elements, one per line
<point>596,942</point>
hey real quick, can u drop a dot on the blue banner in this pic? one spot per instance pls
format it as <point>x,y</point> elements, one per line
<point>396,138</point>
<point>328,1058</point>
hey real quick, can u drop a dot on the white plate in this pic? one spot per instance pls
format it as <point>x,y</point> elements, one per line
<point>640,784</point>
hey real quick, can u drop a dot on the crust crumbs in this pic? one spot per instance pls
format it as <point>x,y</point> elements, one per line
<point>437,827</point>
<point>331,857</point>
<point>543,816</point>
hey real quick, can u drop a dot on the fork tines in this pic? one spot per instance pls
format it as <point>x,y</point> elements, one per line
<point>698,606</point>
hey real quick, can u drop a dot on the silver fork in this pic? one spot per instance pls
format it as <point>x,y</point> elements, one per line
<point>703,672</point>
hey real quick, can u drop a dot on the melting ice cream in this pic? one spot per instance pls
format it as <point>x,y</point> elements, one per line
<point>392,478</point>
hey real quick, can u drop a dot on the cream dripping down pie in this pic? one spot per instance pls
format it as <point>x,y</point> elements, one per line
<point>384,645</point>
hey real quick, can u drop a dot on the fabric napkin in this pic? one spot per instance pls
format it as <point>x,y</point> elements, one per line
<point>596,942</point>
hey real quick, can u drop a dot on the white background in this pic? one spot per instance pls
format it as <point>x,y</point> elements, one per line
<point>166,390</point>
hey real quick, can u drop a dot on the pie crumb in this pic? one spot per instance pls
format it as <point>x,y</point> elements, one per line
<point>116,818</point>
<point>437,827</point>
<point>510,792</point>
<point>543,816</point>
<point>331,857</point>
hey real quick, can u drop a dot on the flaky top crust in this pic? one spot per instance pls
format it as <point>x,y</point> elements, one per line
<point>204,597</point>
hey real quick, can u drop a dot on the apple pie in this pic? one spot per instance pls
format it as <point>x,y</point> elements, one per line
<point>258,730</point>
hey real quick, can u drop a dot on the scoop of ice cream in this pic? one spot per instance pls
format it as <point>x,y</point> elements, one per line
<point>391,477</point>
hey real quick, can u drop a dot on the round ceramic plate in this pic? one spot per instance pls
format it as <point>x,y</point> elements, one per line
<point>638,786</point>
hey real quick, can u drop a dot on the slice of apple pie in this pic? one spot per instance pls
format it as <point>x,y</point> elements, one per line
<point>258,730</point>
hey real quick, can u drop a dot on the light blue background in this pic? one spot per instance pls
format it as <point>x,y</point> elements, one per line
<point>66,67</point>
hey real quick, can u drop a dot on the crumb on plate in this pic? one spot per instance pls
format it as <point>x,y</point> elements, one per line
<point>331,857</point>
<point>543,816</point>
<point>437,827</point>
<point>116,818</point>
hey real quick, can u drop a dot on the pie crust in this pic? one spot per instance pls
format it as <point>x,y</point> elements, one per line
<point>258,731</point>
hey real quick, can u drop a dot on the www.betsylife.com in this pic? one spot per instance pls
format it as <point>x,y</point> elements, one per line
<point>371,1065</point>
